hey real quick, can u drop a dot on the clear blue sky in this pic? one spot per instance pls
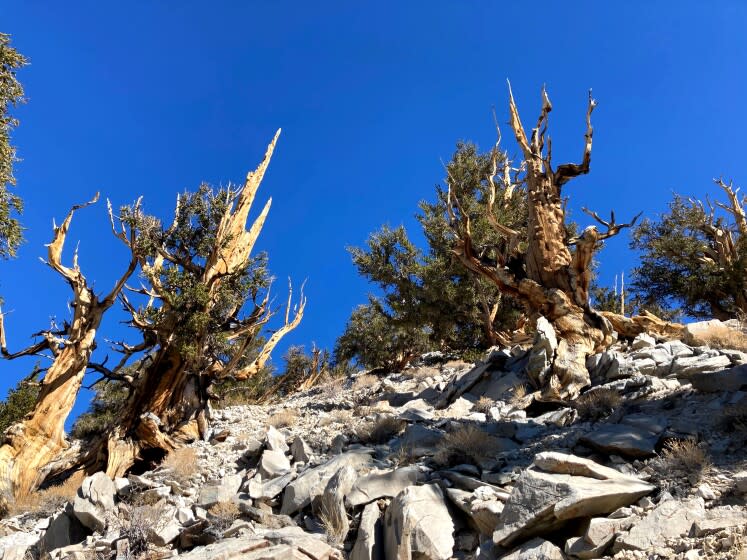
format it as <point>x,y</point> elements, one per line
<point>152,98</point>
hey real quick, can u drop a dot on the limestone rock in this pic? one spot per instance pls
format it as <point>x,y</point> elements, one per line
<point>275,440</point>
<point>558,488</point>
<point>418,525</point>
<point>331,504</point>
<point>273,464</point>
<point>95,498</point>
<point>64,529</point>
<point>536,549</point>
<point>223,490</point>
<point>668,520</point>
<point>379,485</point>
<point>370,539</point>
<point>311,483</point>
<point>620,439</point>
<point>643,340</point>
<point>718,519</point>
<point>542,354</point>
<point>597,538</point>
<point>703,363</point>
<point>300,450</point>
<point>732,379</point>
<point>269,489</point>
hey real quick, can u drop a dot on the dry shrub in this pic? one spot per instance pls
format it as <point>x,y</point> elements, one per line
<point>735,417</point>
<point>484,404</point>
<point>685,457</point>
<point>518,394</point>
<point>403,456</point>
<point>182,462</point>
<point>381,430</point>
<point>283,419</point>
<point>330,386</point>
<point>466,444</point>
<point>421,373</point>
<point>364,382</point>
<point>337,417</point>
<point>222,515</point>
<point>50,499</point>
<point>597,404</point>
<point>138,521</point>
<point>722,337</point>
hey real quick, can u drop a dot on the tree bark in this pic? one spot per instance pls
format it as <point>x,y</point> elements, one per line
<point>555,273</point>
<point>168,403</point>
<point>32,444</point>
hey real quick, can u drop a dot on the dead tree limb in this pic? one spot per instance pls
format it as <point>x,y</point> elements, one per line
<point>32,444</point>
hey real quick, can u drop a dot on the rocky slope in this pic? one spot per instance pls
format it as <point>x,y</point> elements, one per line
<point>443,460</point>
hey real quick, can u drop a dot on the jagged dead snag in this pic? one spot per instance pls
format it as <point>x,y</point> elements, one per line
<point>31,445</point>
<point>200,274</point>
<point>549,271</point>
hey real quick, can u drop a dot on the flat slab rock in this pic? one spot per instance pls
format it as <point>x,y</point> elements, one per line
<point>558,488</point>
<point>670,519</point>
<point>733,379</point>
<point>299,493</point>
<point>536,549</point>
<point>622,439</point>
<point>382,484</point>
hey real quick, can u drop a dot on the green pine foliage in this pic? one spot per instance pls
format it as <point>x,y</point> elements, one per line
<point>678,272</point>
<point>19,402</point>
<point>428,300</point>
<point>11,94</point>
<point>104,412</point>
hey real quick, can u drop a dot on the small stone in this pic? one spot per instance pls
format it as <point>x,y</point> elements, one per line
<point>705,492</point>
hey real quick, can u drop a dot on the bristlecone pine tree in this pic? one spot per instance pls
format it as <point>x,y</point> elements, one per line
<point>199,274</point>
<point>428,299</point>
<point>11,94</point>
<point>32,445</point>
<point>694,258</point>
<point>549,273</point>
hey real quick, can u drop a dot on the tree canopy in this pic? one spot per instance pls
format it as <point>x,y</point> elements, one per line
<point>11,94</point>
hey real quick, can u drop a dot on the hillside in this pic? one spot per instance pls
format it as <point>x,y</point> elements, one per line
<point>442,460</point>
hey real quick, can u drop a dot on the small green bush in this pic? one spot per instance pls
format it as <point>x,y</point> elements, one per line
<point>19,402</point>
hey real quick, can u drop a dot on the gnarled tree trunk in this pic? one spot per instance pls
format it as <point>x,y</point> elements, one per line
<point>168,402</point>
<point>32,444</point>
<point>553,277</point>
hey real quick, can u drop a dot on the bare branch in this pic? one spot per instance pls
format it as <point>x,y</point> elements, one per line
<point>54,249</point>
<point>264,353</point>
<point>612,227</point>
<point>568,171</point>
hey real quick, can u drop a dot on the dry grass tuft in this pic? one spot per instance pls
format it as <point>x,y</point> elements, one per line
<point>339,416</point>
<point>403,456</point>
<point>283,419</point>
<point>518,394</point>
<point>364,382</point>
<point>597,404</point>
<point>421,373</point>
<point>335,528</point>
<point>381,430</point>
<point>687,458</point>
<point>222,515</point>
<point>466,444</point>
<point>182,462</point>
<point>735,417</point>
<point>484,404</point>
<point>50,499</point>
<point>329,386</point>
<point>138,521</point>
<point>722,338</point>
